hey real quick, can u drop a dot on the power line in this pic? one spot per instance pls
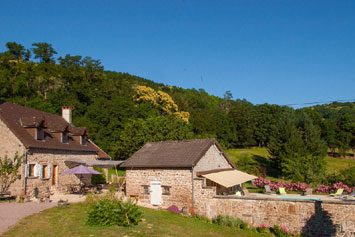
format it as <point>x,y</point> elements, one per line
<point>321,102</point>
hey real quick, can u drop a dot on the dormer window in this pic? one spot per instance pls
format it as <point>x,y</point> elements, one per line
<point>34,126</point>
<point>60,132</point>
<point>83,140</point>
<point>39,136</point>
<point>64,136</point>
<point>79,134</point>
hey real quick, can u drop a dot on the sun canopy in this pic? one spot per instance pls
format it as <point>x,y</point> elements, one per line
<point>229,178</point>
<point>94,163</point>
<point>81,169</point>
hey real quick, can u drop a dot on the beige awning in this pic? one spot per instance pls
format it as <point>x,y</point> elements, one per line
<point>229,178</point>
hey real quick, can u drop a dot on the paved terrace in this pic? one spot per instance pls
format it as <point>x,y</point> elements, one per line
<point>292,197</point>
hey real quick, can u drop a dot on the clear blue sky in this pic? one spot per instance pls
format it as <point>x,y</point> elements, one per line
<point>281,52</point>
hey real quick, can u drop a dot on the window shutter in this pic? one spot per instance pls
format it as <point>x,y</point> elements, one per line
<point>41,171</point>
<point>27,170</point>
<point>49,171</point>
<point>35,170</point>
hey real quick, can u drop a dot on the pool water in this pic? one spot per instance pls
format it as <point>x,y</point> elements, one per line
<point>315,199</point>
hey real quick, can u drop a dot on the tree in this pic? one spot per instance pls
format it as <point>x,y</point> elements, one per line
<point>44,52</point>
<point>297,149</point>
<point>138,132</point>
<point>18,51</point>
<point>8,171</point>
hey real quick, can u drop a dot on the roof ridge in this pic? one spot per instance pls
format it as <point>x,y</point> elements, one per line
<point>181,141</point>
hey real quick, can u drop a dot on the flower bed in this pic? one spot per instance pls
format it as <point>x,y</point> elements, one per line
<point>300,187</point>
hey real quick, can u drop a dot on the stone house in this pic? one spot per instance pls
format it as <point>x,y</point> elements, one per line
<point>49,144</point>
<point>169,173</point>
<point>197,174</point>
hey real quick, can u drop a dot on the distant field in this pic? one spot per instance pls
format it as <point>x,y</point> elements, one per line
<point>236,154</point>
<point>260,155</point>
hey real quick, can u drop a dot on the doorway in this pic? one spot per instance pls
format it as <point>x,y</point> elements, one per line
<point>155,193</point>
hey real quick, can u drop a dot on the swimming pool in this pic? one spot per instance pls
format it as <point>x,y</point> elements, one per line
<point>304,198</point>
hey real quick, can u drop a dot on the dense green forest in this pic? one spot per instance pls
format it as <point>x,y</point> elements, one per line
<point>123,112</point>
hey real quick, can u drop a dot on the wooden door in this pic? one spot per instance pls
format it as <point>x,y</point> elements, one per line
<point>155,193</point>
<point>55,173</point>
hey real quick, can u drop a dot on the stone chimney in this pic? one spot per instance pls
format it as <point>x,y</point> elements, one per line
<point>66,113</point>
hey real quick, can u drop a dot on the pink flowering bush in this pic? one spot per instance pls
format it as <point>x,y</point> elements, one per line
<point>278,231</point>
<point>275,185</point>
<point>281,231</point>
<point>336,186</point>
<point>300,187</point>
<point>263,228</point>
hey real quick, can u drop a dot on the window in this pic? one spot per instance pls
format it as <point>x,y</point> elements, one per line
<point>31,170</point>
<point>83,140</point>
<point>45,172</point>
<point>166,190</point>
<point>145,189</point>
<point>39,134</point>
<point>64,136</point>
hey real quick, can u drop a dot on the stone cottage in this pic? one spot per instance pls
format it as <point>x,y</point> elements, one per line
<point>49,144</point>
<point>171,173</point>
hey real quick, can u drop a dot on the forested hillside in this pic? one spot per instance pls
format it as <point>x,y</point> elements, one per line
<point>123,111</point>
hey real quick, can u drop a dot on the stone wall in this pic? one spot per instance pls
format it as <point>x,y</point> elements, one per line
<point>179,181</point>
<point>213,159</point>
<point>9,145</point>
<point>51,158</point>
<point>304,216</point>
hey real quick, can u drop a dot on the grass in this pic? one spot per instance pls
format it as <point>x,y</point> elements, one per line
<point>260,156</point>
<point>236,154</point>
<point>111,171</point>
<point>337,164</point>
<point>70,221</point>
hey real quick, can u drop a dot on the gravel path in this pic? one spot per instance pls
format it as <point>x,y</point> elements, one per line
<point>11,213</point>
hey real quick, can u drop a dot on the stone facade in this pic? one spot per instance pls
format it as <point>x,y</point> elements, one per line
<point>178,180</point>
<point>213,159</point>
<point>10,144</point>
<point>310,218</point>
<point>52,158</point>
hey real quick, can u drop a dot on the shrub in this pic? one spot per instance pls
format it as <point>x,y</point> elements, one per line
<point>113,212</point>
<point>300,187</point>
<point>228,221</point>
<point>202,218</point>
<point>263,228</point>
<point>8,171</point>
<point>98,178</point>
<point>174,209</point>
<point>280,231</point>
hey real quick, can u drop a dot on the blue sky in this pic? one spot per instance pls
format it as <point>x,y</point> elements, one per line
<point>278,52</point>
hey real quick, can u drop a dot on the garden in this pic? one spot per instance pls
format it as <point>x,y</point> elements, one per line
<point>108,216</point>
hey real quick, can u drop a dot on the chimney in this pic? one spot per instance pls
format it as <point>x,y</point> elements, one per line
<point>66,113</point>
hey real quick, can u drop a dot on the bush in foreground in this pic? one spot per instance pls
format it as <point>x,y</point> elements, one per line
<point>229,221</point>
<point>113,212</point>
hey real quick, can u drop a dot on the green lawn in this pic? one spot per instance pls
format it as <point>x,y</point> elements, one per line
<point>337,164</point>
<point>260,156</point>
<point>70,221</point>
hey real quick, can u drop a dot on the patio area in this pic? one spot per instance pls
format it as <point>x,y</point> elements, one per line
<point>293,197</point>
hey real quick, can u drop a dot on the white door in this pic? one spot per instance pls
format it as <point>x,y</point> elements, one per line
<point>155,193</point>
